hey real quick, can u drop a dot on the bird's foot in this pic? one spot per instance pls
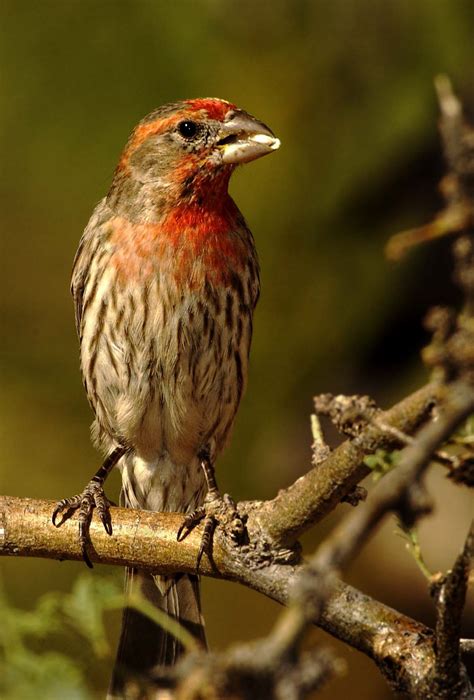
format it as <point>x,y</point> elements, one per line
<point>216,510</point>
<point>92,497</point>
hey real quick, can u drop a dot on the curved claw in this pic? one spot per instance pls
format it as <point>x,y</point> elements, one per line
<point>206,540</point>
<point>56,512</point>
<point>103,504</point>
<point>211,513</point>
<point>189,523</point>
<point>199,557</point>
<point>180,531</point>
<point>215,509</point>
<point>107,523</point>
<point>83,539</point>
<point>54,516</point>
<point>66,507</point>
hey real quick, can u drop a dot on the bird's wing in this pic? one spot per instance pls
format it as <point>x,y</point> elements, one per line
<point>88,245</point>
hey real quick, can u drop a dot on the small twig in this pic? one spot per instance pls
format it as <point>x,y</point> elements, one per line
<point>448,221</point>
<point>457,187</point>
<point>320,449</point>
<point>399,435</point>
<point>447,460</point>
<point>410,535</point>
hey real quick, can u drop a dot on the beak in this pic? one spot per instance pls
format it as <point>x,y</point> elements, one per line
<point>243,138</point>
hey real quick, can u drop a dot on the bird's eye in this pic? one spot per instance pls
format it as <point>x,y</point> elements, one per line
<point>188,129</point>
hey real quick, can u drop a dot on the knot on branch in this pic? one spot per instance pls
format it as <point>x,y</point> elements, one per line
<point>349,414</point>
<point>463,250</point>
<point>354,497</point>
<point>259,553</point>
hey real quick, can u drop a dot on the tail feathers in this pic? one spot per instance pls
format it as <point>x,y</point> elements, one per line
<point>143,645</point>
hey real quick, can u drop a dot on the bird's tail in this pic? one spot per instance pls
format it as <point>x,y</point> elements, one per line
<point>145,646</point>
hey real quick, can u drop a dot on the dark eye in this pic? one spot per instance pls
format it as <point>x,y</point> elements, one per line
<point>188,129</point>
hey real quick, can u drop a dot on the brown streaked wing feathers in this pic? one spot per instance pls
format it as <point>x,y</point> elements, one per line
<point>88,246</point>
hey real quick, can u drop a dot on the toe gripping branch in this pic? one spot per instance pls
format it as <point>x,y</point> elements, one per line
<point>92,497</point>
<point>215,509</point>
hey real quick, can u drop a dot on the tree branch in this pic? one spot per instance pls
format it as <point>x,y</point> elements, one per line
<point>450,595</point>
<point>396,492</point>
<point>313,496</point>
<point>148,540</point>
<point>278,521</point>
<point>393,491</point>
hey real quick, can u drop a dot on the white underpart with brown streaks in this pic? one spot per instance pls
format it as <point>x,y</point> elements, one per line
<point>165,377</point>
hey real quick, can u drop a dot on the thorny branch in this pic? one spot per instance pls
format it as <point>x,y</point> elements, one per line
<point>415,660</point>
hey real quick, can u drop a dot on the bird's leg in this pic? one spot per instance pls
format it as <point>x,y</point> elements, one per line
<point>215,509</point>
<point>92,497</point>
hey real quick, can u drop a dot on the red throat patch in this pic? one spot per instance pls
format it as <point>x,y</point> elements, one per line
<point>191,244</point>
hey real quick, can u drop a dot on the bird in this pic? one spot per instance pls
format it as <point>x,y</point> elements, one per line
<point>165,282</point>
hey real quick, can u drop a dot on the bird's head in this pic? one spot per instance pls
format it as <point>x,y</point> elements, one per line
<point>188,150</point>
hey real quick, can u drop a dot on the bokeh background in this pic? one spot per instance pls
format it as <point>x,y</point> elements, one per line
<point>348,87</point>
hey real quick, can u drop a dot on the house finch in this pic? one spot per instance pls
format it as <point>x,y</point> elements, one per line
<point>165,282</point>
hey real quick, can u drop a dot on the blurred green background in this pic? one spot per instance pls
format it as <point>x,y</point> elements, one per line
<point>348,87</point>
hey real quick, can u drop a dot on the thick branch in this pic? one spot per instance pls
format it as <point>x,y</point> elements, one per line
<point>400,646</point>
<point>140,538</point>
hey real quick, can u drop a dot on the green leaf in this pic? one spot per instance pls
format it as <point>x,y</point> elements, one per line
<point>83,608</point>
<point>381,462</point>
<point>410,534</point>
